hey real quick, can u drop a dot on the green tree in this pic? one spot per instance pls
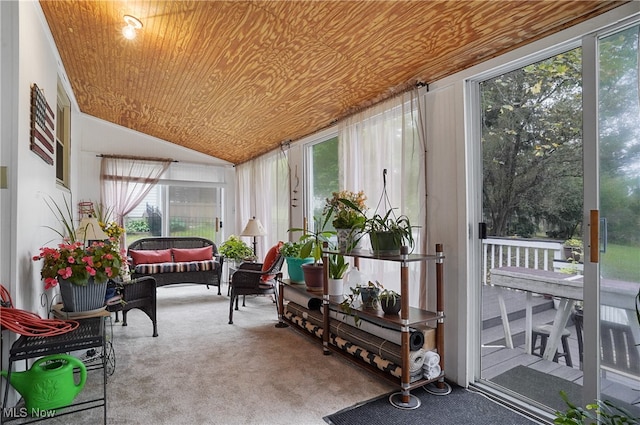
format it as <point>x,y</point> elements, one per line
<point>620,136</point>
<point>325,173</point>
<point>531,139</point>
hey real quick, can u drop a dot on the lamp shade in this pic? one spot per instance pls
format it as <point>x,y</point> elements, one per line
<point>89,230</point>
<point>253,228</point>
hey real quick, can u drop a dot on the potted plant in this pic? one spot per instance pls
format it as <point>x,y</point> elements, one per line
<point>312,242</point>
<point>366,296</point>
<point>348,217</point>
<point>235,249</point>
<point>337,269</point>
<point>76,266</point>
<point>291,253</point>
<point>572,249</point>
<point>81,268</point>
<point>389,232</point>
<point>390,301</point>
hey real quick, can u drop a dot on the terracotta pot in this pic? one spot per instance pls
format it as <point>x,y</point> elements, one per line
<point>294,268</point>
<point>313,276</point>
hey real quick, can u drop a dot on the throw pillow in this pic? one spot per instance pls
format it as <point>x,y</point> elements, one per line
<point>150,256</point>
<point>192,254</point>
<point>269,259</point>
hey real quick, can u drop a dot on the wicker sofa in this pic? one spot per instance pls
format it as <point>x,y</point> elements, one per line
<point>170,260</point>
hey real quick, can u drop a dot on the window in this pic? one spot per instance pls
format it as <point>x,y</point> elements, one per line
<point>188,201</point>
<point>323,168</point>
<point>63,137</point>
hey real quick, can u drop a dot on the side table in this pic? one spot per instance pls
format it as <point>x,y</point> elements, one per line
<point>89,334</point>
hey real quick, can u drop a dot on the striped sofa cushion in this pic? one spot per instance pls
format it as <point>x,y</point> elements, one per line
<point>192,266</point>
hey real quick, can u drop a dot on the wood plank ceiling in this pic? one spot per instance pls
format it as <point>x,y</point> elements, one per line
<point>236,79</point>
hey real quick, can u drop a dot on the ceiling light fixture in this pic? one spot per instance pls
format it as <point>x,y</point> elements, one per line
<point>133,24</point>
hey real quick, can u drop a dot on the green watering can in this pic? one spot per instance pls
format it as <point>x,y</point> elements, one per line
<point>50,383</point>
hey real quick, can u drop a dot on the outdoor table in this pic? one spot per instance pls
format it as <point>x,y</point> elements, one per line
<point>568,289</point>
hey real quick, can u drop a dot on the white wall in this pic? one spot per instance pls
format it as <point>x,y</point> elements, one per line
<point>101,137</point>
<point>32,180</point>
<point>27,57</point>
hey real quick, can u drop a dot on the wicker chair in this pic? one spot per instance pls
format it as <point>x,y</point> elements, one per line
<point>248,280</point>
<point>138,293</point>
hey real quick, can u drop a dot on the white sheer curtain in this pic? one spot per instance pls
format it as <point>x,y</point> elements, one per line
<point>125,181</point>
<point>389,136</point>
<point>263,192</point>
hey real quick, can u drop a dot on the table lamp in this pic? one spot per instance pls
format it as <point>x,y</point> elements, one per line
<point>89,230</point>
<point>253,228</point>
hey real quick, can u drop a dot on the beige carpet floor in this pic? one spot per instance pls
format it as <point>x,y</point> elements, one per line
<point>201,370</point>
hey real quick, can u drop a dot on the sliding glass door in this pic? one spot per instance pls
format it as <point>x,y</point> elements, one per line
<point>618,249</point>
<point>561,210</point>
<point>532,199</point>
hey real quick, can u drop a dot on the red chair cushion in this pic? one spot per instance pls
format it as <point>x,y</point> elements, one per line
<point>269,259</point>
<point>192,254</point>
<point>150,256</point>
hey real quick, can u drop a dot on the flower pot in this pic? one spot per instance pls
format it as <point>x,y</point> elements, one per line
<point>385,243</point>
<point>348,239</point>
<point>571,253</point>
<point>82,297</point>
<point>390,305</point>
<point>313,276</point>
<point>294,267</point>
<point>336,286</point>
<point>369,296</point>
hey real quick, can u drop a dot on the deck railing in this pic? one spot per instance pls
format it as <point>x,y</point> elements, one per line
<point>528,253</point>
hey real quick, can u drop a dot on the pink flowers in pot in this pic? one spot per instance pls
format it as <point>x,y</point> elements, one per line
<point>76,263</point>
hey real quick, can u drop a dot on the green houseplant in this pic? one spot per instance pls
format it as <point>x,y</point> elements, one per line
<point>366,296</point>
<point>573,249</point>
<point>235,249</point>
<point>312,243</point>
<point>82,268</point>
<point>387,231</point>
<point>347,217</point>
<point>291,253</point>
<point>338,266</point>
<point>390,301</point>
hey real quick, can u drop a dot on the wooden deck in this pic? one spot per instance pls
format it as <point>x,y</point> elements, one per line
<point>497,359</point>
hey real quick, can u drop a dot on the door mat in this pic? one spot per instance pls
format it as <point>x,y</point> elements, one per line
<point>545,388</point>
<point>461,406</point>
<point>539,386</point>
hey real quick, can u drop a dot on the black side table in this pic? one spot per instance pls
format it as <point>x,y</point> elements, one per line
<point>90,334</point>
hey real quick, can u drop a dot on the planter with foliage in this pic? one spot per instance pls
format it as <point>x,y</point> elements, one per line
<point>387,231</point>
<point>572,249</point>
<point>390,301</point>
<point>291,253</point>
<point>312,243</point>
<point>364,296</point>
<point>235,249</point>
<point>347,217</point>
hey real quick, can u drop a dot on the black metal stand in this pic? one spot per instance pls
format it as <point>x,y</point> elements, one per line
<point>90,334</point>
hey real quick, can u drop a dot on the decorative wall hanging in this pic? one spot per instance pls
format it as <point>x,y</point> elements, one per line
<point>42,138</point>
